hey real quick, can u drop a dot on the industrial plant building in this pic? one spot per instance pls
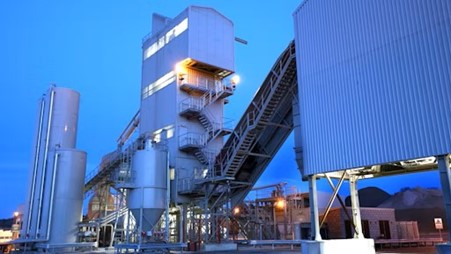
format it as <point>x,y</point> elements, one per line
<point>357,89</point>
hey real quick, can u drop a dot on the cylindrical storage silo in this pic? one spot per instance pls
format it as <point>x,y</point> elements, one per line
<point>56,129</point>
<point>65,118</point>
<point>66,211</point>
<point>147,200</point>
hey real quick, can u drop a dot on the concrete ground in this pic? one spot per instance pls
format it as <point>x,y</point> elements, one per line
<point>287,250</point>
<point>282,250</point>
<point>410,250</point>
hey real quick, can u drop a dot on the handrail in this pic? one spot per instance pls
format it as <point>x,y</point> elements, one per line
<point>256,109</point>
<point>191,103</point>
<point>112,216</point>
<point>192,138</point>
<point>199,103</point>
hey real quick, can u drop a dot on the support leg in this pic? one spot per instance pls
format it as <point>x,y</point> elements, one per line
<point>184,220</point>
<point>445,180</point>
<point>355,207</point>
<point>314,218</point>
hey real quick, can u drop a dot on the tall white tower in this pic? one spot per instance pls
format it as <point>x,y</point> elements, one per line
<point>186,61</point>
<point>55,197</point>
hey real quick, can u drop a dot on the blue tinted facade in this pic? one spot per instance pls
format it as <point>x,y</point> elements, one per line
<point>374,81</point>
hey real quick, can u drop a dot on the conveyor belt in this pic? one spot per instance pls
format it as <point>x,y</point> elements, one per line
<point>264,127</point>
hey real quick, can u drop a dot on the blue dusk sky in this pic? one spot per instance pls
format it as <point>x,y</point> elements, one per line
<point>94,47</point>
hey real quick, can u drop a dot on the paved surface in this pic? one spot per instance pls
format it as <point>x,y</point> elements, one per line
<point>411,250</point>
<point>285,250</point>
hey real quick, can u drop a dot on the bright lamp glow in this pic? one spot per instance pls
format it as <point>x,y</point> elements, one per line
<point>235,80</point>
<point>180,68</point>
<point>280,204</point>
<point>236,210</point>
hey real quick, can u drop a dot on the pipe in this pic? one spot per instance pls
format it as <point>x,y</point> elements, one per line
<point>129,129</point>
<point>141,217</point>
<point>46,151</point>
<point>35,167</point>
<point>52,195</point>
<point>182,217</point>
<point>168,195</point>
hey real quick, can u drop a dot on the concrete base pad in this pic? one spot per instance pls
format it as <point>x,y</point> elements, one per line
<point>220,247</point>
<point>338,246</point>
<point>443,248</point>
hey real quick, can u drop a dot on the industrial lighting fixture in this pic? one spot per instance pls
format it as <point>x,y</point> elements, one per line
<point>180,70</point>
<point>235,80</point>
<point>280,203</point>
<point>236,210</point>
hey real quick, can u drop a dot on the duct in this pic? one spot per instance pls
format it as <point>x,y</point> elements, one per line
<point>46,151</point>
<point>52,195</point>
<point>35,166</point>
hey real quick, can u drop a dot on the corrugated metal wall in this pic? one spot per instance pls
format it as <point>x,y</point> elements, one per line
<point>374,81</point>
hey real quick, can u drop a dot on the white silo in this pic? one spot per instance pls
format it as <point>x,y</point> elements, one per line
<point>66,205</point>
<point>57,174</point>
<point>147,198</point>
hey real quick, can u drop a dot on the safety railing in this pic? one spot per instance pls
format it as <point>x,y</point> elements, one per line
<point>200,82</point>
<point>261,103</point>
<point>107,163</point>
<point>192,139</point>
<point>191,103</point>
<point>185,184</point>
<point>199,103</point>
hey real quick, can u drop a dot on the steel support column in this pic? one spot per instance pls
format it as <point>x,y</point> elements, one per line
<point>445,180</point>
<point>355,207</point>
<point>314,218</point>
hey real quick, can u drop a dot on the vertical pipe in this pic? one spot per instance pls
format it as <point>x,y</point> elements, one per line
<point>182,223</point>
<point>274,220</point>
<point>285,219</point>
<point>228,211</point>
<point>141,217</point>
<point>52,195</point>
<point>128,226</point>
<point>314,208</point>
<point>35,167</point>
<point>46,151</point>
<point>445,181</point>
<point>168,195</point>
<point>355,207</point>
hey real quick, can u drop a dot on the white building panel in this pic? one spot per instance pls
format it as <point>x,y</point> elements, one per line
<point>185,62</point>
<point>211,38</point>
<point>374,81</point>
<point>156,112</point>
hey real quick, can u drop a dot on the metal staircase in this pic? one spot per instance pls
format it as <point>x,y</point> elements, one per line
<point>196,107</point>
<point>103,171</point>
<point>112,168</point>
<point>113,216</point>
